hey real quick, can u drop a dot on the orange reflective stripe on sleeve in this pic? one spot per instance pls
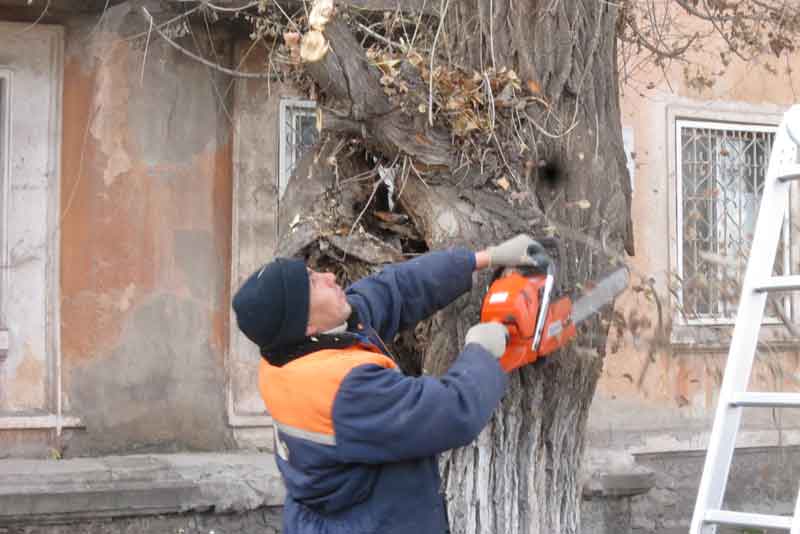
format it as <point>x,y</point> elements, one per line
<point>300,394</point>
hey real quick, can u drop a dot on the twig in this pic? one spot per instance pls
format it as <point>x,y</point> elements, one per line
<point>505,161</point>
<point>165,23</point>
<point>355,223</point>
<point>146,47</point>
<point>204,61</point>
<point>210,75</point>
<point>433,57</point>
<point>672,54</point>
<point>100,20</point>
<point>293,23</point>
<point>380,37</point>
<point>490,99</point>
<point>491,33</point>
<point>545,132</point>
<point>416,28</point>
<point>224,9</point>
<point>35,22</point>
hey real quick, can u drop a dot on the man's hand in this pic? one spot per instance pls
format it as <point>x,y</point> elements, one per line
<point>521,250</point>
<point>491,336</point>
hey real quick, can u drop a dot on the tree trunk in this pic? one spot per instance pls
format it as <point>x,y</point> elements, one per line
<point>565,163</point>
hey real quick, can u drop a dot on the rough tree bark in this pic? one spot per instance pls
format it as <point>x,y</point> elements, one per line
<point>522,473</point>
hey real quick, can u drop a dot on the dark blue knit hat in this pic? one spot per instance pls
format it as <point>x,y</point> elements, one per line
<point>272,305</point>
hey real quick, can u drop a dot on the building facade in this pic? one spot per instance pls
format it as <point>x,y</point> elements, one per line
<point>140,187</point>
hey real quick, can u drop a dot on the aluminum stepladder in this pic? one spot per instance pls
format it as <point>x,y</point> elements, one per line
<point>733,396</point>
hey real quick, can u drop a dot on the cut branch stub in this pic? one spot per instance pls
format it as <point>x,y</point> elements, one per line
<point>313,47</point>
<point>329,121</point>
<point>321,13</point>
<point>346,74</point>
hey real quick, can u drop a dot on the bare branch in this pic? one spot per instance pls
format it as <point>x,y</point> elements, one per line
<point>655,49</point>
<point>204,61</point>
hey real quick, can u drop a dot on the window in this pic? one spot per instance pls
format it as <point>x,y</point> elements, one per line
<point>30,137</point>
<point>298,133</point>
<point>720,177</point>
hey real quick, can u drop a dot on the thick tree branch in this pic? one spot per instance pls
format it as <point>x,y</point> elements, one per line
<point>346,73</point>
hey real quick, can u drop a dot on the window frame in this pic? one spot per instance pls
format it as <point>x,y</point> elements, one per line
<point>677,124</point>
<point>6,91</point>
<point>52,415</point>
<point>287,159</point>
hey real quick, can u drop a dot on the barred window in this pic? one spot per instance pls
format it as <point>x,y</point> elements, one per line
<point>721,171</point>
<point>298,133</point>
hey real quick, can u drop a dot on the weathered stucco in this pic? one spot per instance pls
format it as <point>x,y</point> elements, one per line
<point>660,396</point>
<point>168,199</point>
<point>146,193</point>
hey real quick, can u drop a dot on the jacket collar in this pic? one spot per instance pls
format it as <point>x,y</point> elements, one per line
<point>280,356</point>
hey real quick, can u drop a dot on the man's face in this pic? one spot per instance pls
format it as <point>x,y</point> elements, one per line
<point>327,306</point>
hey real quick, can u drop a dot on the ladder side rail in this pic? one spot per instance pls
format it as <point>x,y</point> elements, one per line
<point>796,517</point>
<point>749,315</point>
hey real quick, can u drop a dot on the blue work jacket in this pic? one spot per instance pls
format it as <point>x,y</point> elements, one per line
<point>356,440</point>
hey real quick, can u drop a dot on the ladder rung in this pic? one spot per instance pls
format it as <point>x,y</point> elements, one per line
<point>779,283</point>
<point>740,519</point>
<point>791,173</point>
<point>766,400</point>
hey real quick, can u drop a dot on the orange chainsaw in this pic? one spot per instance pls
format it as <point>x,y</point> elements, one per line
<point>520,298</point>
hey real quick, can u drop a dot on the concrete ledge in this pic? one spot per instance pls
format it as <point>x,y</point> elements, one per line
<point>37,491</point>
<point>612,474</point>
<point>618,485</point>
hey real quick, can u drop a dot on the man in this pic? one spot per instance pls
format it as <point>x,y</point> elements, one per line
<point>356,440</point>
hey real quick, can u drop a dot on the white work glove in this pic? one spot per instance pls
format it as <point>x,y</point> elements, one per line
<point>521,250</point>
<point>491,336</point>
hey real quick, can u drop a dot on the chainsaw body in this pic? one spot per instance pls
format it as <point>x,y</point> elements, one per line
<point>518,300</point>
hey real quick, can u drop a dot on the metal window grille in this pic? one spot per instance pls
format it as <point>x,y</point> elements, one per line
<point>720,178</point>
<point>298,133</point>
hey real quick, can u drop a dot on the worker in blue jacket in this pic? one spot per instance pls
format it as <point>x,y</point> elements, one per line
<point>356,440</point>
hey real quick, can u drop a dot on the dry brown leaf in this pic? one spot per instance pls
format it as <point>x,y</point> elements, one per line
<point>465,123</point>
<point>415,58</point>
<point>506,97</point>
<point>512,77</point>
<point>503,183</point>
<point>455,102</point>
<point>533,87</point>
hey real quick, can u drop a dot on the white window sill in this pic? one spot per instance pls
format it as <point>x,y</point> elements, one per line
<point>711,337</point>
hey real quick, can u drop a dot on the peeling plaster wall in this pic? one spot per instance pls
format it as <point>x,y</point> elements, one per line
<point>145,249</point>
<point>662,398</point>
